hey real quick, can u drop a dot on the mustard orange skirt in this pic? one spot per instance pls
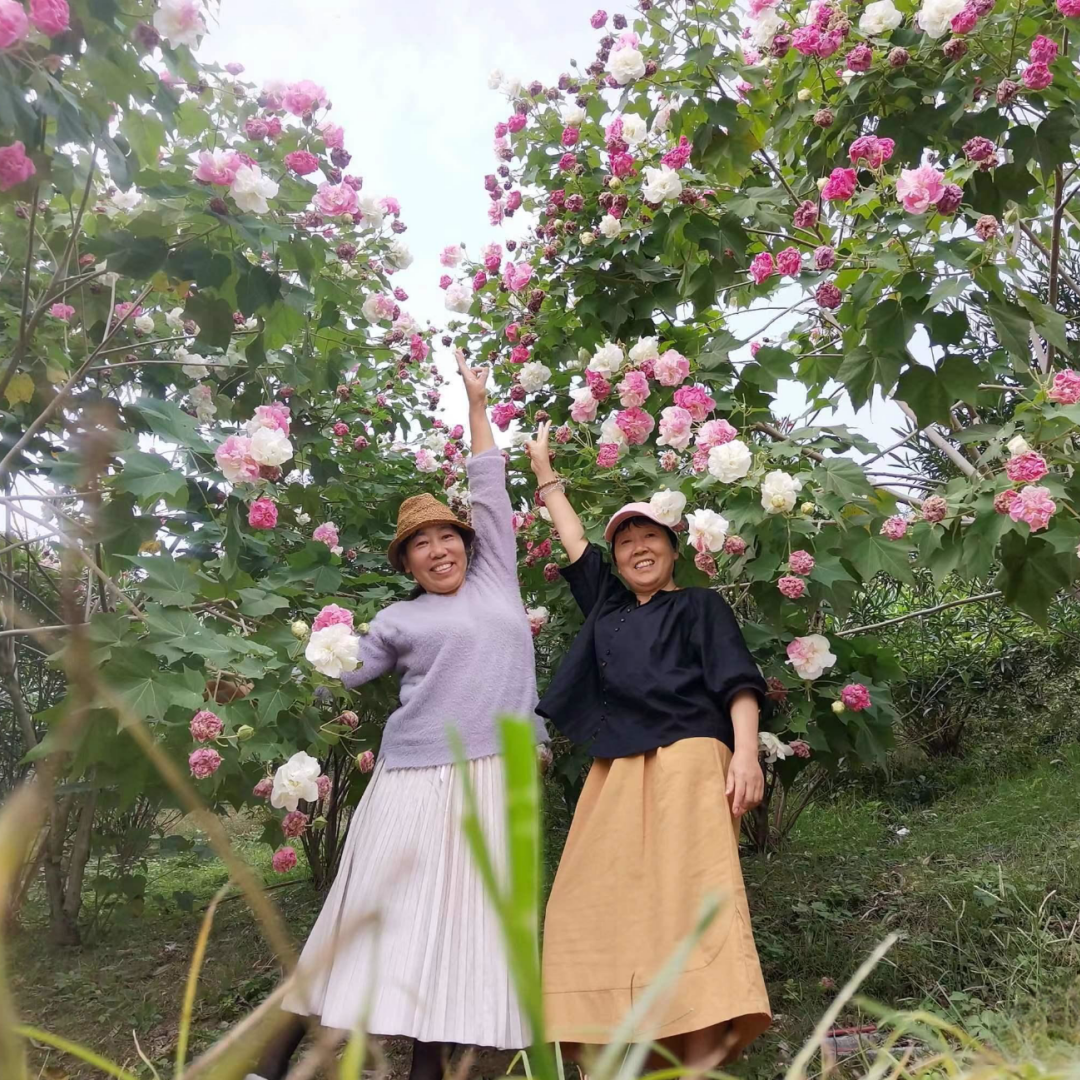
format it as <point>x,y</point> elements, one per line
<point>652,836</point>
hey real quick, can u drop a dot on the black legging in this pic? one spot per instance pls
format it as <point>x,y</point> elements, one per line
<point>429,1060</point>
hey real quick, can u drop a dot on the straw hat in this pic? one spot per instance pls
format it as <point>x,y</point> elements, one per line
<point>417,513</point>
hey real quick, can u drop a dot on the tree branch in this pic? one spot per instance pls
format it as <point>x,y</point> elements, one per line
<point>919,614</point>
<point>61,395</point>
<point>939,440</point>
<point>1061,273</point>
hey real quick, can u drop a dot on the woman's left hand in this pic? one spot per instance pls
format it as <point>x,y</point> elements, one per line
<point>745,783</point>
<point>475,382</point>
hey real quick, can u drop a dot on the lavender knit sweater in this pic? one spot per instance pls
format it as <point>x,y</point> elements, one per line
<point>465,659</point>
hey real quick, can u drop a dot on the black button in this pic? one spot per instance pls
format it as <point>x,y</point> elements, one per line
<point>603,663</point>
<point>622,620</point>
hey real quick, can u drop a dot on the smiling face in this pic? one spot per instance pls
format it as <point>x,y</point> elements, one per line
<point>435,557</point>
<point>644,556</point>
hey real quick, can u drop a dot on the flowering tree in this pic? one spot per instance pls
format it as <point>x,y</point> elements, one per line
<point>210,379</point>
<point>896,183</point>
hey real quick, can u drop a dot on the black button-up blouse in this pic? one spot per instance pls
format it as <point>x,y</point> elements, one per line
<point>641,676</point>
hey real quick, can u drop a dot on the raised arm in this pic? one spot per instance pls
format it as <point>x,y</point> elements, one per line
<point>481,437</point>
<point>563,515</point>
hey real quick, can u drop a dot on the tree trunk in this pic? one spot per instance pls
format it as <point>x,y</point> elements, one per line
<point>62,930</point>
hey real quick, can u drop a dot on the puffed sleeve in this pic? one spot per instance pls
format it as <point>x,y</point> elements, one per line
<point>590,578</point>
<point>495,545</point>
<point>376,653</point>
<point>729,667</point>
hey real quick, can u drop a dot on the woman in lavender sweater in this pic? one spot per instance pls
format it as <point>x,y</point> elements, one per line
<point>407,942</point>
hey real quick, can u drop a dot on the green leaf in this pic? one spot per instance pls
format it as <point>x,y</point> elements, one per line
<point>168,582</point>
<point>980,540</point>
<point>921,388</point>
<point>862,370</point>
<point>1053,138</point>
<point>146,134</point>
<point>1015,182</point>
<point>1013,327</point>
<point>167,419</point>
<point>149,476</point>
<point>147,690</point>
<point>946,289</point>
<point>234,541</point>
<point>888,330</point>
<point>871,553</point>
<point>948,329</point>
<point>961,377</point>
<point>137,257</point>
<point>196,262</point>
<point>122,164</point>
<point>777,362</point>
<point>1031,574</point>
<point>182,634</point>
<point>304,259</point>
<point>258,602</point>
<point>274,699</point>
<point>717,351</point>
<point>215,319</point>
<point>1050,323</point>
<point>841,476</point>
<point>329,314</point>
<point>257,288</point>
<point>107,630</point>
<point>283,323</point>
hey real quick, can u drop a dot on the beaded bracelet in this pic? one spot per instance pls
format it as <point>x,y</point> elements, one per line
<point>559,482</point>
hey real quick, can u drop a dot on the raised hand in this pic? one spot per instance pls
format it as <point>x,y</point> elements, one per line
<point>475,380</point>
<point>539,451</point>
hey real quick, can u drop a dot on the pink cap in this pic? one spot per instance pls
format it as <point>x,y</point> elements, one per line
<point>631,510</point>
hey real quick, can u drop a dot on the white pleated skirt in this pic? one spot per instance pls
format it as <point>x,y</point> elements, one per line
<point>407,939</point>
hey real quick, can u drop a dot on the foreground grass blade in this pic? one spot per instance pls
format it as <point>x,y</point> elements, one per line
<point>75,1050</point>
<point>797,1070</point>
<point>611,1062</point>
<point>18,825</point>
<point>517,906</point>
<point>192,987</point>
<point>352,1061</point>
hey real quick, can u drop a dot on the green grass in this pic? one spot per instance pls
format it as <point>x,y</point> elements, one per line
<point>984,888</point>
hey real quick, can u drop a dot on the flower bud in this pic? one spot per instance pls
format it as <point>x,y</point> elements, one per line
<point>824,118</point>
<point>839,707</point>
<point>244,732</point>
<point>318,823</point>
<point>299,629</point>
<point>588,238</point>
<point>363,629</point>
<point>583,356</point>
<point>614,183</point>
<point>807,508</point>
<point>898,57</point>
<point>805,94</point>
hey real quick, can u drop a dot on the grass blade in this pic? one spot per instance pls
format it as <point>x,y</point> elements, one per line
<point>518,905</point>
<point>797,1069</point>
<point>188,1006</point>
<point>75,1050</point>
<point>352,1061</point>
<point>609,1063</point>
<point>18,821</point>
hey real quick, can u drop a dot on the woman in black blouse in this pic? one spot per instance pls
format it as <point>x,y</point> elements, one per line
<point>661,688</point>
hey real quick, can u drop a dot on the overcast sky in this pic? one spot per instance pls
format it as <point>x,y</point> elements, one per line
<point>408,82</point>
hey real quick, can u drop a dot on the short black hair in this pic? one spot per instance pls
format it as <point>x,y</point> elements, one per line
<point>645,523</point>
